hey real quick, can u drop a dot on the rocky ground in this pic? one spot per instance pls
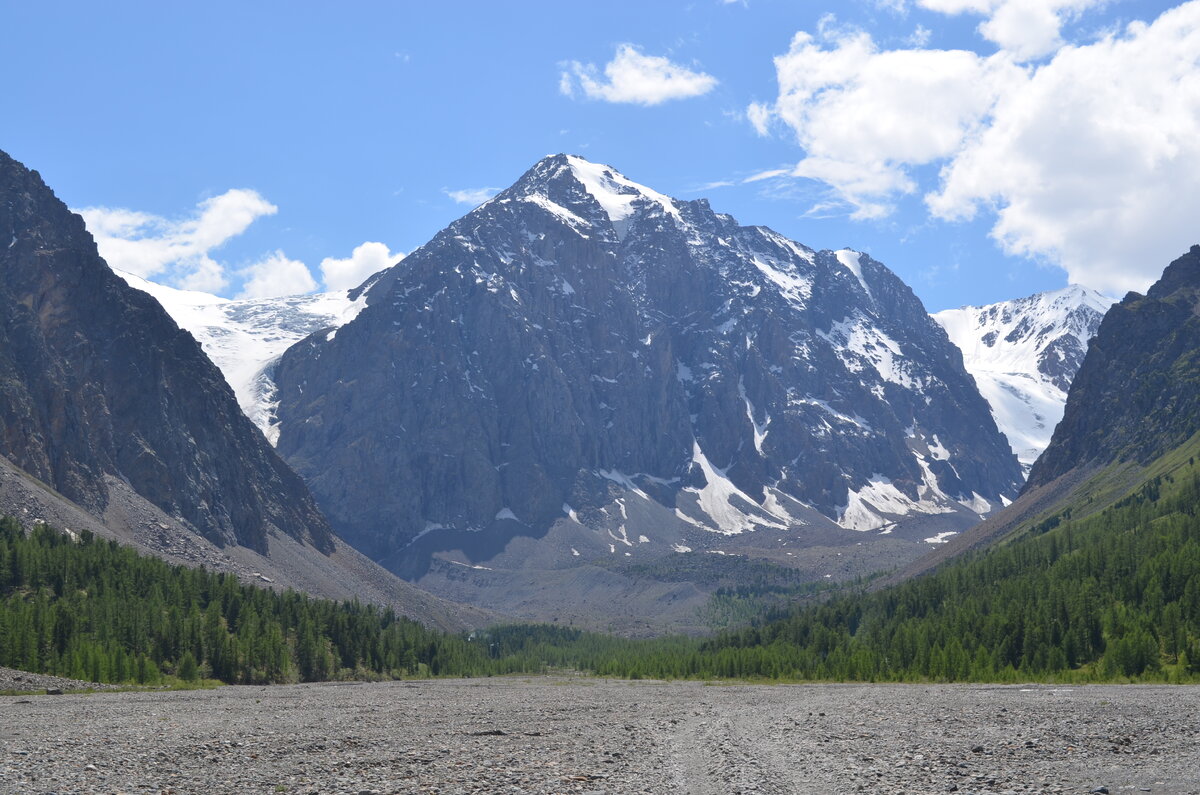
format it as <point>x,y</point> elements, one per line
<point>22,681</point>
<point>577,735</point>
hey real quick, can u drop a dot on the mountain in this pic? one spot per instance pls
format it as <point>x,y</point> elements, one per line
<point>112,419</point>
<point>1097,577</point>
<point>1131,417</point>
<point>586,361</point>
<point>1023,355</point>
<point>1137,394</point>
<point>245,337</point>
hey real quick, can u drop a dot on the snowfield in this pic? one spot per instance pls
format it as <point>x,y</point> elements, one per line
<point>245,338</point>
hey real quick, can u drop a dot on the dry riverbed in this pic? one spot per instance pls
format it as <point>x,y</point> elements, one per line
<point>576,735</point>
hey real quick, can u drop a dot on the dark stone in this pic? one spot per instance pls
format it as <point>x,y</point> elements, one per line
<point>96,381</point>
<point>1137,393</point>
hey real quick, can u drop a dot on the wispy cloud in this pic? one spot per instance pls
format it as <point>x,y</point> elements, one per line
<point>634,78</point>
<point>471,196</point>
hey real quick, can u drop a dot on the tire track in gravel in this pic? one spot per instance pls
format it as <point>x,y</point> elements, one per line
<point>723,755</point>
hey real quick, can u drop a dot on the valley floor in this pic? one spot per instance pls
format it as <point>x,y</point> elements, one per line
<point>579,735</point>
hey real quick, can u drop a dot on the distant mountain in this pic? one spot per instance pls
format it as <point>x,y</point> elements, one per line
<point>245,338</point>
<point>1023,355</point>
<point>1098,573</point>
<point>1137,394</point>
<point>1132,416</point>
<point>112,419</point>
<point>640,375</point>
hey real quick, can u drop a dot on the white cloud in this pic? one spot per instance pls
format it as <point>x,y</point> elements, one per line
<point>760,117</point>
<point>635,78</point>
<point>1092,163</point>
<point>276,275</point>
<point>365,260</point>
<point>471,196</point>
<point>176,251</point>
<point>919,37</point>
<point>864,116</point>
<point>1026,29</point>
<point>1087,160</point>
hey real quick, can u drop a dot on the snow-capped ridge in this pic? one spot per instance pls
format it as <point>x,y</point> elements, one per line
<point>246,337</point>
<point>619,198</point>
<point>1023,355</point>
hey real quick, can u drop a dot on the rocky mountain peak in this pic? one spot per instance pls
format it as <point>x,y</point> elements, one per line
<point>584,349</point>
<point>585,194</point>
<point>1182,275</point>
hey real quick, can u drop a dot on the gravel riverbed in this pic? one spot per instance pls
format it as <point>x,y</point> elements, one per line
<point>579,735</point>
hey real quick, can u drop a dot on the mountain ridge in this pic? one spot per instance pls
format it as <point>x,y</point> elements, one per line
<point>607,364</point>
<point>1146,365</point>
<point>1023,354</point>
<point>113,419</point>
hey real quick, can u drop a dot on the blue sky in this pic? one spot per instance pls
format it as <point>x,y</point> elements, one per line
<point>982,149</point>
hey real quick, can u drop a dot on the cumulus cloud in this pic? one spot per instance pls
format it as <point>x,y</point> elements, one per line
<point>865,116</point>
<point>1086,160</point>
<point>276,275</point>
<point>176,251</point>
<point>365,260</point>
<point>635,78</point>
<point>1026,29</point>
<point>471,196</point>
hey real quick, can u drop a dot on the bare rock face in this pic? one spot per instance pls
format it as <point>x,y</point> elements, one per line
<point>96,380</point>
<point>1137,393</point>
<point>581,343</point>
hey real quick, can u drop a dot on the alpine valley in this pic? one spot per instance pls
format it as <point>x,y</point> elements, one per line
<point>567,396</point>
<point>587,402</point>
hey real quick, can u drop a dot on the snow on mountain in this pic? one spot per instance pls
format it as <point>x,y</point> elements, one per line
<point>245,338</point>
<point>1024,354</point>
<point>585,341</point>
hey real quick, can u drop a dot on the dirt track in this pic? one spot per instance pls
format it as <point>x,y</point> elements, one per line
<point>558,735</point>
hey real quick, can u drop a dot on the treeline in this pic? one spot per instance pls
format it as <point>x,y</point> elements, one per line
<point>92,609</point>
<point>1114,596</point>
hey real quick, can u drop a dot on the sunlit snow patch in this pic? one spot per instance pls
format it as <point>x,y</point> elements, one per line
<point>850,259</point>
<point>716,500</point>
<point>616,193</point>
<point>865,508</point>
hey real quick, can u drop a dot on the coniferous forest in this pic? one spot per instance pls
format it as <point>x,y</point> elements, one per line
<point>1110,597</point>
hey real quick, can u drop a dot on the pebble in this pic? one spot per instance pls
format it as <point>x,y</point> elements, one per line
<point>575,735</point>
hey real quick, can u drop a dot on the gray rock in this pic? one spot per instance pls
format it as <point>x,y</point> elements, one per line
<point>96,380</point>
<point>537,354</point>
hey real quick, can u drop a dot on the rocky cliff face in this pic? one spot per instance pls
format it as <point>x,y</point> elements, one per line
<point>97,381</point>
<point>1137,394</point>
<point>580,346</point>
<point>1024,354</point>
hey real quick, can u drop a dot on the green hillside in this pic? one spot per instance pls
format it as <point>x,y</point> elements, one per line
<point>1077,595</point>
